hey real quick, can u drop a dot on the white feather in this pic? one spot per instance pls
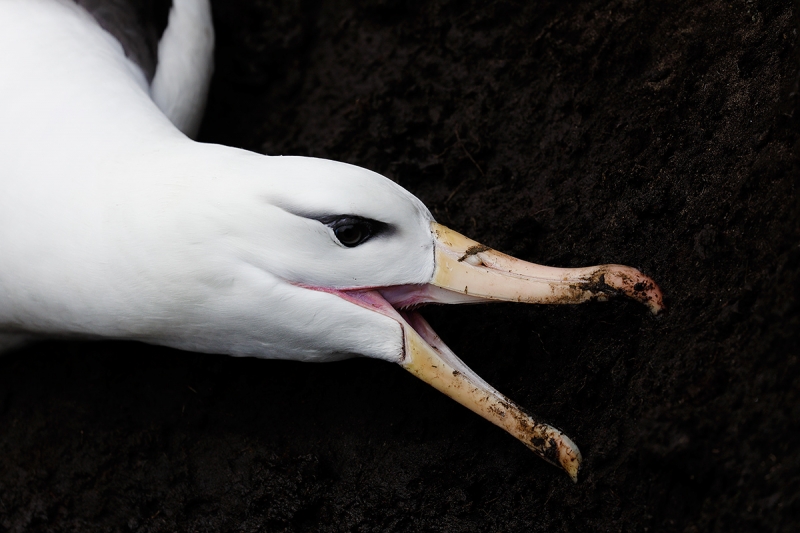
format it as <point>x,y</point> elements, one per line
<point>185,64</point>
<point>114,224</point>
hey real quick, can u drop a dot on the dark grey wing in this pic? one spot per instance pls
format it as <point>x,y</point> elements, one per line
<point>136,24</point>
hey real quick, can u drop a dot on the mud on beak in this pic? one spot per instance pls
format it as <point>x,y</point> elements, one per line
<point>468,272</point>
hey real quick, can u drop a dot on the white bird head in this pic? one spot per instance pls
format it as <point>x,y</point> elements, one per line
<point>315,260</point>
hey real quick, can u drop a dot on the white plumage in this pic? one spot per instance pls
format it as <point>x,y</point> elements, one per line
<point>185,64</point>
<point>114,224</point>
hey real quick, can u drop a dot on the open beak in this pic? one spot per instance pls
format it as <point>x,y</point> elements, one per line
<point>468,272</point>
<point>428,358</point>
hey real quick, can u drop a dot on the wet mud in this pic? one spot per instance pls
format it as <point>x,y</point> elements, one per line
<point>661,135</point>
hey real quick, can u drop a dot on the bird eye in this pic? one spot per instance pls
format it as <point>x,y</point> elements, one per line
<point>352,232</point>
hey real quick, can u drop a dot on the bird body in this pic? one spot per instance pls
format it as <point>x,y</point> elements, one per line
<point>115,224</point>
<point>159,224</point>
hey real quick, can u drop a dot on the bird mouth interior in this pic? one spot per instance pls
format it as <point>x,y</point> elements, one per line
<point>400,303</point>
<point>403,310</point>
<point>396,302</point>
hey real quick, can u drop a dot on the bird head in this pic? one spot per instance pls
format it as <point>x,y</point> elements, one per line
<point>328,260</point>
<point>358,254</point>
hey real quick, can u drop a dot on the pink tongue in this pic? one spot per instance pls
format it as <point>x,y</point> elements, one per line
<point>407,296</point>
<point>367,298</point>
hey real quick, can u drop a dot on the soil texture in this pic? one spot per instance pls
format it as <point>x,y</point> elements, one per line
<point>661,135</point>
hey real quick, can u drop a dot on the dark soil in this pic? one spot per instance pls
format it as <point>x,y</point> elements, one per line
<point>663,135</point>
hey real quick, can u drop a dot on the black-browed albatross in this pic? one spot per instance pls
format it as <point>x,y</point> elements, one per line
<point>114,223</point>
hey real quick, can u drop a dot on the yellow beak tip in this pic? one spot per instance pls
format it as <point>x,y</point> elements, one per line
<point>572,471</point>
<point>569,457</point>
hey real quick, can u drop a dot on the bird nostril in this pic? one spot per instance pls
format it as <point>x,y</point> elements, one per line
<point>473,260</point>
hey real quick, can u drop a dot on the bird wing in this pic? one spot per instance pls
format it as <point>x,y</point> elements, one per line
<point>137,24</point>
<point>172,42</point>
<point>185,64</point>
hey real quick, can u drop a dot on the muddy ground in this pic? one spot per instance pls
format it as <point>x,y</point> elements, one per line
<point>662,135</point>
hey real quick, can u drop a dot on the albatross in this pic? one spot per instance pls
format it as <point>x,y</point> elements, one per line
<point>116,224</point>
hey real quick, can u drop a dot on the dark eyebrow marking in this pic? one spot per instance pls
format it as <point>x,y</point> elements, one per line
<point>378,227</point>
